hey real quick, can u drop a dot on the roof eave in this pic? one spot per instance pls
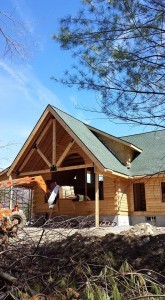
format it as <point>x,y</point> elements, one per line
<point>118,173</point>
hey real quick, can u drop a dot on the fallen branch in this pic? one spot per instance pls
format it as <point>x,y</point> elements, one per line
<point>7,277</point>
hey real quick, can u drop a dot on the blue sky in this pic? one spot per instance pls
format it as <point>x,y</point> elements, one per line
<point>25,86</point>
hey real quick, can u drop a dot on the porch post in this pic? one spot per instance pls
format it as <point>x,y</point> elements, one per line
<point>96,200</point>
<point>11,195</point>
<point>85,182</point>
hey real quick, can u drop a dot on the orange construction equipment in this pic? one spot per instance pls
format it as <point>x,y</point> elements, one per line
<point>28,182</point>
<point>25,181</point>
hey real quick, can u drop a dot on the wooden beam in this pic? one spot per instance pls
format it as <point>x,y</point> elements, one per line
<point>34,172</point>
<point>96,200</point>
<point>54,143</point>
<point>75,167</point>
<point>58,170</point>
<point>26,159</point>
<point>38,141</point>
<point>64,153</point>
<point>43,157</point>
<point>29,140</point>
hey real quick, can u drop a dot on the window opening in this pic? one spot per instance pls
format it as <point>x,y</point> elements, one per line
<point>89,177</point>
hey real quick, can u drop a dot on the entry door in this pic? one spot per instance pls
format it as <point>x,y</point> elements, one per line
<point>139,197</point>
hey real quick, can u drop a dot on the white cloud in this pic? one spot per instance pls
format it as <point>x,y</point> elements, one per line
<point>29,85</point>
<point>23,98</point>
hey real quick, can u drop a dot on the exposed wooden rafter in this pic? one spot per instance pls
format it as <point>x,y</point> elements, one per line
<point>44,115</point>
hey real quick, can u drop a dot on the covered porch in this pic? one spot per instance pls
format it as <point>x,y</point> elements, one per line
<point>81,193</point>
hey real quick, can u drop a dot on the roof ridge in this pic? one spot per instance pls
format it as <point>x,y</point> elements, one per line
<point>54,107</point>
<point>148,132</point>
<point>117,137</point>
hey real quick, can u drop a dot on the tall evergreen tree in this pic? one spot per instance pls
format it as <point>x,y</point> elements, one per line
<point>119,49</point>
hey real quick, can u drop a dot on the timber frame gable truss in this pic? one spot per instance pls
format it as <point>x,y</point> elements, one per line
<point>47,148</point>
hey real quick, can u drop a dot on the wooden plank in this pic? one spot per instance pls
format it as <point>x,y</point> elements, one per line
<point>65,153</point>
<point>43,157</point>
<point>54,143</point>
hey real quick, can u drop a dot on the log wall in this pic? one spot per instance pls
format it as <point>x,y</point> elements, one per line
<point>153,194</point>
<point>108,206</point>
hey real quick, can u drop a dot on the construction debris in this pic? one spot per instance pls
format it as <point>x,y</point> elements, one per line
<point>8,229</point>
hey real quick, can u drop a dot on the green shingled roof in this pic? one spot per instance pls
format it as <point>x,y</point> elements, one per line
<point>94,145</point>
<point>152,158</point>
<point>150,161</point>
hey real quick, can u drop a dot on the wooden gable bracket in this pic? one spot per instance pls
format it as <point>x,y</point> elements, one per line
<point>65,153</point>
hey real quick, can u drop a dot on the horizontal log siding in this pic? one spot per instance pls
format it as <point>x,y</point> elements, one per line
<point>108,206</point>
<point>153,194</point>
<point>123,195</point>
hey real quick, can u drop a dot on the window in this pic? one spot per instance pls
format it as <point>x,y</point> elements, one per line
<point>151,219</point>
<point>89,177</point>
<point>101,188</point>
<point>139,197</point>
<point>163,191</point>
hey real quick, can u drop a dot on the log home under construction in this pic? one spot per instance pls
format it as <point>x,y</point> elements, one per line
<point>116,179</point>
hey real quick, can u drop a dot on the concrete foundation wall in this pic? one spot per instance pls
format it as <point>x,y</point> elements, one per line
<point>137,219</point>
<point>119,220</point>
<point>157,221</point>
<point>160,221</point>
<point>123,220</point>
<point>109,218</point>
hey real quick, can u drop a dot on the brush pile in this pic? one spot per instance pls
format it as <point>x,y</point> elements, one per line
<point>81,266</point>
